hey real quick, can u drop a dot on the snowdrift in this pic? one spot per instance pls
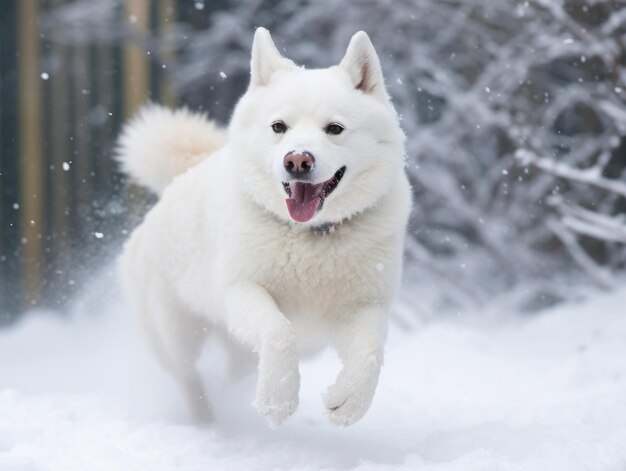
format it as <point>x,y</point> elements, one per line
<point>545,393</point>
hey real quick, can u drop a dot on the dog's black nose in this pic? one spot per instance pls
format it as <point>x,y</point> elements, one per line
<point>299,164</point>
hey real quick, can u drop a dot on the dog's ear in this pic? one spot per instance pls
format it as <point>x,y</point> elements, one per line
<point>363,66</point>
<point>265,58</point>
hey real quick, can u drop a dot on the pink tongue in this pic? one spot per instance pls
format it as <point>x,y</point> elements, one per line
<point>305,198</point>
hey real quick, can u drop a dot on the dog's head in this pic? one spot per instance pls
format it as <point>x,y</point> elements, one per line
<point>316,146</point>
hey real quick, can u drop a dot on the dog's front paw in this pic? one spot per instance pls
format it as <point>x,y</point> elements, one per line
<point>345,405</point>
<point>277,391</point>
<point>351,396</point>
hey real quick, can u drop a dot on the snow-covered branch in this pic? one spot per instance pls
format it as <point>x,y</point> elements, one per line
<point>600,275</point>
<point>591,176</point>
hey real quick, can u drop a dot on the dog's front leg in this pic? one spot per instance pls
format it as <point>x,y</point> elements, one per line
<point>254,319</point>
<point>359,339</point>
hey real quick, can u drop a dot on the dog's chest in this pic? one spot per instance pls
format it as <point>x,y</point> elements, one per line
<point>313,275</point>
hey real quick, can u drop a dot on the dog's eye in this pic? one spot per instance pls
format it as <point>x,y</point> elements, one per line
<point>279,127</point>
<point>334,128</point>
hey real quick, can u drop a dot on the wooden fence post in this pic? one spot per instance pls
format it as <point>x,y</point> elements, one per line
<point>135,60</point>
<point>167,17</point>
<point>31,164</point>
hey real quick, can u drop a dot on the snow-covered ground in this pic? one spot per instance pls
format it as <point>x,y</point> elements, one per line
<point>543,393</point>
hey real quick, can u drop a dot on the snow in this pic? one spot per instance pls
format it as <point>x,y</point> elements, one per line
<point>474,392</point>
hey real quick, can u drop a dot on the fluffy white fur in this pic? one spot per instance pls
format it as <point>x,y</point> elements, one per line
<point>159,144</point>
<point>220,254</point>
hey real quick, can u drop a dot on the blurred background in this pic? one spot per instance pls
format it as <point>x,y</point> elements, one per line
<point>515,113</point>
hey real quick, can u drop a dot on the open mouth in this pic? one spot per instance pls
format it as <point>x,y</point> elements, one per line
<point>307,198</point>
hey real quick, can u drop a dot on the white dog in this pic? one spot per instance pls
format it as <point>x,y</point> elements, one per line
<point>284,233</point>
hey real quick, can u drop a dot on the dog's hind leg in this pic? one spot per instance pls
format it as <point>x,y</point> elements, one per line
<point>177,338</point>
<point>241,360</point>
<point>196,396</point>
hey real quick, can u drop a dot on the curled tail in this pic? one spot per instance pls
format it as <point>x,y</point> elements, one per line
<point>159,143</point>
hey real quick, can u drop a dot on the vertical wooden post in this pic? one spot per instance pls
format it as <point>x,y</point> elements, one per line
<point>2,177</point>
<point>135,60</point>
<point>167,18</point>
<point>60,149</point>
<point>104,82</point>
<point>82,158</point>
<point>136,75</point>
<point>31,165</point>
